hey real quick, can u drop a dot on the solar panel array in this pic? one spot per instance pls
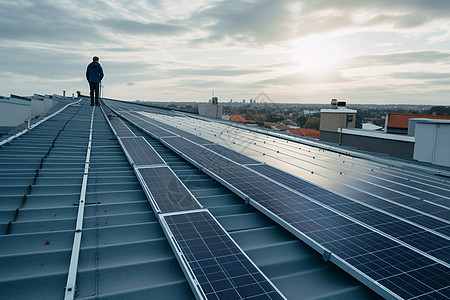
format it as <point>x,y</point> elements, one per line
<point>140,152</point>
<point>221,269</point>
<point>117,125</point>
<point>219,266</point>
<point>167,190</point>
<point>394,240</point>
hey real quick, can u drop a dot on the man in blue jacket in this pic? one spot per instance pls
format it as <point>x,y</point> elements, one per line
<point>94,75</point>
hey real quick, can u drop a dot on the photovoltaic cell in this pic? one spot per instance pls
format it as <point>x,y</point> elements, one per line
<point>167,190</point>
<point>221,269</point>
<point>140,152</point>
<point>415,236</point>
<point>153,129</point>
<point>192,137</point>
<point>120,128</point>
<point>233,155</point>
<point>344,238</point>
<point>201,155</point>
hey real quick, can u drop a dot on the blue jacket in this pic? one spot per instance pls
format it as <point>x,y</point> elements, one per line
<point>94,72</point>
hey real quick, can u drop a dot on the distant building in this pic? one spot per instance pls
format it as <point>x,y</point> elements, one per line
<point>398,122</point>
<point>210,110</point>
<point>335,118</point>
<point>243,100</point>
<point>427,139</point>
<point>280,127</point>
<point>432,141</point>
<point>310,111</point>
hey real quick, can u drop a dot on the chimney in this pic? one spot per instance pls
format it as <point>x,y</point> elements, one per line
<point>334,103</point>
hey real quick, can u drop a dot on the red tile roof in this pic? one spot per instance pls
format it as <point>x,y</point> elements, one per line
<point>237,118</point>
<point>280,126</point>
<point>400,120</point>
<point>311,133</point>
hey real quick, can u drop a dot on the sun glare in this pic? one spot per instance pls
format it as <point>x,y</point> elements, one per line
<point>317,57</point>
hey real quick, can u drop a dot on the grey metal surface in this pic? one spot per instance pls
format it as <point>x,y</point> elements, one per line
<point>124,253</point>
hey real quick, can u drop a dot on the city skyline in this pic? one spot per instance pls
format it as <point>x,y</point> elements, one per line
<point>295,51</point>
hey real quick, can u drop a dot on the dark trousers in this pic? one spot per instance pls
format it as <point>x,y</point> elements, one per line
<point>95,89</point>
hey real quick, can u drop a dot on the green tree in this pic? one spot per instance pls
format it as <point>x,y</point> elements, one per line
<point>301,121</point>
<point>313,123</point>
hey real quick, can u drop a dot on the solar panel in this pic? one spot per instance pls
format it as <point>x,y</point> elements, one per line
<point>324,227</point>
<point>153,129</point>
<point>344,238</point>
<point>165,190</point>
<point>427,241</point>
<point>199,154</point>
<point>233,155</point>
<point>217,266</point>
<point>120,128</point>
<point>140,152</point>
<point>192,137</point>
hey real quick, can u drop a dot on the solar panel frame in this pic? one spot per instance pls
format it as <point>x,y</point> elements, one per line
<point>217,268</point>
<point>168,195</point>
<point>139,152</point>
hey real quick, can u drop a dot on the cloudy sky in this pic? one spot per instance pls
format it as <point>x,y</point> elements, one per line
<point>384,51</point>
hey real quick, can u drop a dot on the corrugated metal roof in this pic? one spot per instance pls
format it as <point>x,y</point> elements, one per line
<point>124,253</point>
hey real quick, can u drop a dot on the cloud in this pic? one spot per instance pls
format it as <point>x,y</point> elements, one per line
<point>217,71</point>
<point>416,57</point>
<point>247,22</point>
<point>268,22</point>
<point>44,22</point>
<point>139,28</point>
<point>304,78</point>
<point>421,76</point>
<point>239,47</point>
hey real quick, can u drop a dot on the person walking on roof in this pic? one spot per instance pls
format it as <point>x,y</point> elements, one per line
<point>94,75</point>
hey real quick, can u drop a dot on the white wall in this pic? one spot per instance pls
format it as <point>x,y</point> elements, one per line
<point>48,103</point>
<point>37,107</point>
<point>433,142</point>
<point>12,114</point>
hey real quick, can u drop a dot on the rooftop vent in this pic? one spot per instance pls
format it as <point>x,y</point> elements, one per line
<point>334,103</point>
